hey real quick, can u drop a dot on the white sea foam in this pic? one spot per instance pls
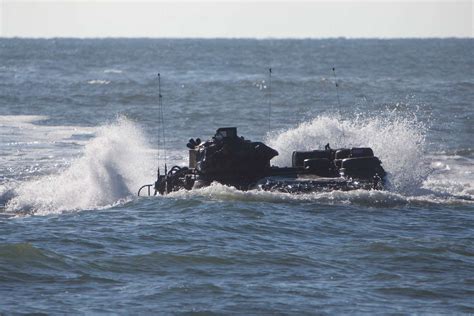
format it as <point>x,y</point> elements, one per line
<point>113,166</point>
<point>398,141</point>
<point>452,176</point>
<point>112,71</point>
<point>22,127</point>
<point>372,198</point>
<point>98,82</point>
<point>20,120</point>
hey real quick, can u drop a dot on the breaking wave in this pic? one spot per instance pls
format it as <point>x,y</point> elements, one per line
<point>113,165</point>
<point>112,71</point>
<point>97,81</point>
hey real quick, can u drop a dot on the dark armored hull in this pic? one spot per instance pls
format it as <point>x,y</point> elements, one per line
<point>309,184</point>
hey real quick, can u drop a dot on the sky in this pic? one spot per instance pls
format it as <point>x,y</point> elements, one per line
<point>230,19</point>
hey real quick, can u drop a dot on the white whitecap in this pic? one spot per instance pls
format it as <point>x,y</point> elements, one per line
<point>112,71</point>
<point>105,82</point>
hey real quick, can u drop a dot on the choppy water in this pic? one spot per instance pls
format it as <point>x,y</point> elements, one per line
<point>78,126</point>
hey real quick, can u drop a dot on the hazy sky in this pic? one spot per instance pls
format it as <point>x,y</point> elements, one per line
<point>224,18</point>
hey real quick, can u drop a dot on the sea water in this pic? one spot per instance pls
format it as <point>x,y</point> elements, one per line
<point>80,133</point>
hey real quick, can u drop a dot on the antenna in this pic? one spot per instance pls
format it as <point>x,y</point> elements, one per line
<point>337,87</point>
<point>269,98</point>
<point>161,122</point>
<point>338,101</point>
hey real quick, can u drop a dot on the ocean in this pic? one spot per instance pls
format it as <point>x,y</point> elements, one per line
<point>80,133</point>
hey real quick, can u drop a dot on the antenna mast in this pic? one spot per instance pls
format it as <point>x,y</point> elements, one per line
<point>269,98</point>
<point>161,122</point>
<point>337,87</point>
<point>338,101</point>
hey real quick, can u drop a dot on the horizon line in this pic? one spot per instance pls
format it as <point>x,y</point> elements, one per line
<point>234,38</point>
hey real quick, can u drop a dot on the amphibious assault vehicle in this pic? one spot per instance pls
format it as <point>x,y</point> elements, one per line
<point>234,161</point>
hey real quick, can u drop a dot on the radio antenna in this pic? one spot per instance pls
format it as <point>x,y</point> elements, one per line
<point>338,100</point>
<point>337,87</point>
<point>269,98</point>
<point>161,122</point>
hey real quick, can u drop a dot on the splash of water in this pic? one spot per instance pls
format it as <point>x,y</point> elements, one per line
<point>113,165</point>
<point>398,141</point>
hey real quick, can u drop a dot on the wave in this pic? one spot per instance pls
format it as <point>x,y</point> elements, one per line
<point>112,71</point>
<point>99,82</point>
<point>113,165</point>
<point>23,252</point>
<point>20,120</point>
<point>462,152</point>
<point>367,198</point>
<point>452,176</point>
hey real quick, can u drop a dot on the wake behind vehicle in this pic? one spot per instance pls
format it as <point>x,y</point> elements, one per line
<point>234,161</point>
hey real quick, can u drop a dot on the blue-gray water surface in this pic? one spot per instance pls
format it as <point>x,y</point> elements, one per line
<point>80,134</point>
